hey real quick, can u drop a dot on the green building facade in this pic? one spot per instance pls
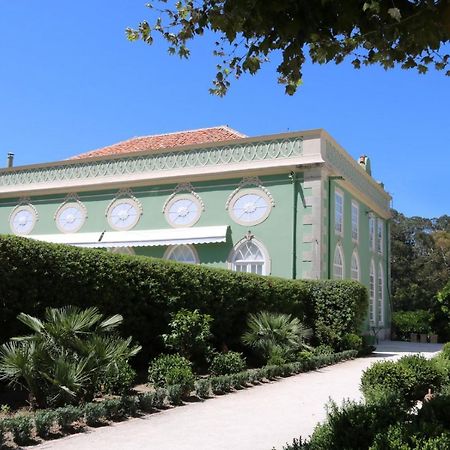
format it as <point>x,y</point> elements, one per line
<point>294,205</point>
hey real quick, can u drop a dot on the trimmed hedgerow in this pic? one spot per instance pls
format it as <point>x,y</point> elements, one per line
<point>339,308</point>
<point>147,292</point>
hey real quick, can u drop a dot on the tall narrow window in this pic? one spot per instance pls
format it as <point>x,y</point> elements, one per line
<point>372,233</point>
<point>182,253</point>
<point>372,297</point>
<point>380,296</point>
<point>338,263</point>
<point>250,256</point>
<point>380,236</point>
<point>355,266</point>
<point>339,212</point>
<point>355,221</point>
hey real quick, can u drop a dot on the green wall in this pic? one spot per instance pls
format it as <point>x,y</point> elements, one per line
<point>275,232</point>
<point>366,255</point>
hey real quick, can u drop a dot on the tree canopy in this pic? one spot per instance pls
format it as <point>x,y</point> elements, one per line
<point>408,33</point>
<point>420,260</point>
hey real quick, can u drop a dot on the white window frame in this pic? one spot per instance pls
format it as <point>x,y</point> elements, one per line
<point>339,251</point>
<point>185,196</point>
<point>338,214</point>
<point>380,295</point>
<point>380,236</point>
<point>254,191</point>
<point>266,265</point>
<point>355,224</point>
<point>355,257</point>
<point>372,232</point>
<point>172,248</point>
<point>372,293</point>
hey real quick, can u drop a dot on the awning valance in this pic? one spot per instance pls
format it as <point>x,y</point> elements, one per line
<point>139,238</point>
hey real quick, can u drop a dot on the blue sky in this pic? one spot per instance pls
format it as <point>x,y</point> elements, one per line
<point>71,82</point>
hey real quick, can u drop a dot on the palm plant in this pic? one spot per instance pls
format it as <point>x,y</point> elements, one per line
<point>66,356</point>
<point>268,331</point>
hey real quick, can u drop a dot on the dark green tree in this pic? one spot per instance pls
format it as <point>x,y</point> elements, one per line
<point>420,260</point>
<point>408,33</point>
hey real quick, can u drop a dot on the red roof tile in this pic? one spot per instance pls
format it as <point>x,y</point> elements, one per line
<point>169,140</point>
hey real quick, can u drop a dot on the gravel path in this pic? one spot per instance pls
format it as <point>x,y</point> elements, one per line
<point>257,418</point>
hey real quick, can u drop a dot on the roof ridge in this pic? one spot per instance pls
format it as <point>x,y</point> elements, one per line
<point>226,127</point>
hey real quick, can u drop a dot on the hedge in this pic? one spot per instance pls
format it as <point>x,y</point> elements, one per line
<point>146,291</point>
<point>52,423</point>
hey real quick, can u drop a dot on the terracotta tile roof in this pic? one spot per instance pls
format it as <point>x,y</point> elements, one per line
<point>169,140</point>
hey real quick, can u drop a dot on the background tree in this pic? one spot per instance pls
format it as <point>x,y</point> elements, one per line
<point>421,266</point>
<point>382,32</point>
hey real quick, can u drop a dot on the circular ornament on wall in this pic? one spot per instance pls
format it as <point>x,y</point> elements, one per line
<point>183,210</point>
<point>123,214</point>
<point>23,219</point>
<point>250,206</point>
<point>70,217</point>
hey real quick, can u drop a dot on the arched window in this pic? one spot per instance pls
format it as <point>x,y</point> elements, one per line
<point>380,295</point>
<point>372,298</point>
<point>355,266</point>
<point>338,263</point>
<point>182,253</point>
<point>250,256</point>
<point>122,250</point>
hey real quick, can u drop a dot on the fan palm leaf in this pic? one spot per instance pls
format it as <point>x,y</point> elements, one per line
<point>267,330</point>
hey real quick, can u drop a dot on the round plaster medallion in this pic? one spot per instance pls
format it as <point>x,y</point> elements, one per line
<point>123,214</point>
<point>250,207</point>
<point>183,210</point>
<point>23,219</point>
<point>70,217</point>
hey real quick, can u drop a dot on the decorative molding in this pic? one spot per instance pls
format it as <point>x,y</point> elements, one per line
<point>24,201</point>
<point>246,182</point>
<point>72,197</point>
<point>184,187</point>
<point>350,174</point>
<point>23,204</point>
<point>123,194</point>
<point>154,162</point>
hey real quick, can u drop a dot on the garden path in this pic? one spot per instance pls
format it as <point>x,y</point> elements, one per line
<point>257,418</point>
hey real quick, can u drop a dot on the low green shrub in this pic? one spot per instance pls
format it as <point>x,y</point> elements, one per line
<point>352,341</point>
<point>426,375</point>
<point>175,394</point>
<point>152,400</point>
<point>167,370</point>
<point>190,334</point>
<point>114,410</point>
<point>202,388</point>
<point>45,421</point>
<point>220,384</point>
<point>94,413</point>
<point>129,405</point>
<point>118,378</point>
<point>277,357</point>
<point>239,380</point>
<point>353,426</point>
<point>446,351</point>
<point>252,376</point>
<point>322,350</point>
<point>387,376</point>
<point>227,363</point>
<point>21,429</point>
<point>67,415</point>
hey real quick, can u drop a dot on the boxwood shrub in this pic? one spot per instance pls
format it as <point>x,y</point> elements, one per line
<point>147,292</point>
